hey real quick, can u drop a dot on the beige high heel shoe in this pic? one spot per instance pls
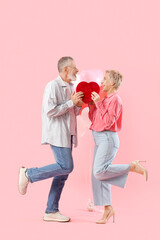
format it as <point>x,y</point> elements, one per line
<point>110,214</point>
<point>138,168</point>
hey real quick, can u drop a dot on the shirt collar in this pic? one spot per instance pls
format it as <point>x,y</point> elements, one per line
<point>63,83</point>
<point>112,94</point>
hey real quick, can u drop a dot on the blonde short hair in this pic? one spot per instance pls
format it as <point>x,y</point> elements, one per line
<point>115,78</point>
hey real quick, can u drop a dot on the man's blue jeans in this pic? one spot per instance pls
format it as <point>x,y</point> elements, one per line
<point>59,170</point>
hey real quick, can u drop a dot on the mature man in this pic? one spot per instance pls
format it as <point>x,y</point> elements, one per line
<point>59,129</point>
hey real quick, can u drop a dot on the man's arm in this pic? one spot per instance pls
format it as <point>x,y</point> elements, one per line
<point>53,109</point>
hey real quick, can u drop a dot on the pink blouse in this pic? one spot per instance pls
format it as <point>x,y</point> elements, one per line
<point>106,114</point>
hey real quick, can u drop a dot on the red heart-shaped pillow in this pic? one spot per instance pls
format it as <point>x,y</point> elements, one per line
<point>87,89</point>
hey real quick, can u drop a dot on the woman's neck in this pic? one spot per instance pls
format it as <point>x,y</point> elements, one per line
<point>110,91</point>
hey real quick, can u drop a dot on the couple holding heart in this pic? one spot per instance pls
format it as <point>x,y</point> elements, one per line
<point>60,107</point>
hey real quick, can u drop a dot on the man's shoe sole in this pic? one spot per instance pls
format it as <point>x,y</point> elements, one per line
<point>55,220</point>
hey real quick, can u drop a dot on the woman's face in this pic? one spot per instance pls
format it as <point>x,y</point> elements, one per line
<point>106,83</point>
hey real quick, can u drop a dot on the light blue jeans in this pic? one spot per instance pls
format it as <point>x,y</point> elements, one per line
<point>104,172</point>
<point>59,171</point>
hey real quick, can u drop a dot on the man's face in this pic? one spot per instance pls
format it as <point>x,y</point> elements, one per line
<point>72,71</point>
<point>106,83</point>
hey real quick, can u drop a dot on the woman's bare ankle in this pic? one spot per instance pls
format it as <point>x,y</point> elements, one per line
<point>108,207</point>
<point>132,167</point>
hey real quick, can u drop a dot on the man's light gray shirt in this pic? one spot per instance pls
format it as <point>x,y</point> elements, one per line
<point>59,114</point>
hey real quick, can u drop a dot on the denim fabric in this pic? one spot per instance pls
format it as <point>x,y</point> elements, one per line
<point>104,172</point>
<point>59,171</point>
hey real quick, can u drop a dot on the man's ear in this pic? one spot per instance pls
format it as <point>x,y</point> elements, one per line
<point>65,69</point>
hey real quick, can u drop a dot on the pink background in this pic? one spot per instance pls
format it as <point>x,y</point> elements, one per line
<point>98,34</point>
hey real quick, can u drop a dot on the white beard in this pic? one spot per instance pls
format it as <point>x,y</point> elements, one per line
<point>72,77</point>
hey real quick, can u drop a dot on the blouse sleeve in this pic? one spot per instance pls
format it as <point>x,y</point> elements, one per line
<point>92,108</point>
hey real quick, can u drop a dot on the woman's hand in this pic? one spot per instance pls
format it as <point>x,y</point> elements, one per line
<point>91,103</point>
<point>95,97</point>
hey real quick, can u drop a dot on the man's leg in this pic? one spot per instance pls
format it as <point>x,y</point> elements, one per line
<point>63,166</point>
<point>63,157</point>
<point>55,193</point>
<point>60,171</point>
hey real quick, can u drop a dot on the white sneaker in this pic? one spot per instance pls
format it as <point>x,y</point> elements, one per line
<point>23,181</point>
<point>55,217</point>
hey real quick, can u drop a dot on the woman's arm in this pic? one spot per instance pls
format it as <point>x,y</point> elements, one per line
<point>111,113</point>
<point>92,108</point>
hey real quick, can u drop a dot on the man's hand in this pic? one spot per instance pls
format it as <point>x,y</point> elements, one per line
<point>80,103</point>
<point>77,98</point>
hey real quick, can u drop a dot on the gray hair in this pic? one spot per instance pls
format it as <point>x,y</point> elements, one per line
<point>64,62</point>
<point>115,78</point>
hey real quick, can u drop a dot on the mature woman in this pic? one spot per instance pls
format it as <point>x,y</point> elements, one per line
<point>106,118</point>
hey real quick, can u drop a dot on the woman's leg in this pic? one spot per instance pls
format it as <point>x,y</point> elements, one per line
<point>101,189</point>
<point>104,154</point>
<point>107,146</point>
<point>101,193</point>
